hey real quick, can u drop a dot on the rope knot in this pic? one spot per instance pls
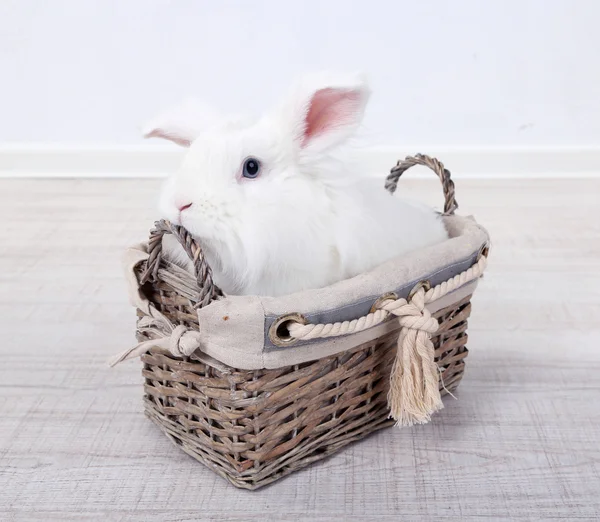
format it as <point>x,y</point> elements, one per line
<point>413,314</point>
<point>161,333</point>
<point>183,342</point>
<point>421,320</point>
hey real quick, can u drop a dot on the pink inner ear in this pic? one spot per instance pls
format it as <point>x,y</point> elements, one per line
<point>330,109</point>
<point>159,133</point>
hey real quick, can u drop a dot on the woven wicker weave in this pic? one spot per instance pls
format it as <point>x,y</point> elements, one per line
<point>254,427</point>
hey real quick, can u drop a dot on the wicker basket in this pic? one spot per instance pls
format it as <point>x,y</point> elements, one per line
<point>253,427</point>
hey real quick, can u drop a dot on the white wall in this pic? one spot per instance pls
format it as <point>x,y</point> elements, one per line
<point>459,73</point>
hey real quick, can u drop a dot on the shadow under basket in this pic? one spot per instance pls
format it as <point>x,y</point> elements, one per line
<point>253,427</point>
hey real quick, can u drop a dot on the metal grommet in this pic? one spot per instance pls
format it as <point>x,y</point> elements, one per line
<point>385,297</point>
<point>483,251</point>
<point>278,332</point>
<point>421,284</point>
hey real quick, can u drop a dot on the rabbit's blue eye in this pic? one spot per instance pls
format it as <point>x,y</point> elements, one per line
<point>251,168</point>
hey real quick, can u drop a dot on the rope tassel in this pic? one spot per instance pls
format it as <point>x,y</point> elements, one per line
<point>414,382</point>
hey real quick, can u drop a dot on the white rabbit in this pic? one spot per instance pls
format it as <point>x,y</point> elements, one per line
<point>273,206</point>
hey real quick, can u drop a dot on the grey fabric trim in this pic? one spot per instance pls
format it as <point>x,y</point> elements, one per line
<point>362,307</point>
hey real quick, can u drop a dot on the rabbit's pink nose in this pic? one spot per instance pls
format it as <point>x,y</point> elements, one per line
<point>183,206</point>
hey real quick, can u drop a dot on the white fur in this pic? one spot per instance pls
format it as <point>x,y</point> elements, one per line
<point>308,220</point>
<point>182,122</point>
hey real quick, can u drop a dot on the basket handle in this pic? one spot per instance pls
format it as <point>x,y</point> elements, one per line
<point>208,290</point>
<point>450,204</point>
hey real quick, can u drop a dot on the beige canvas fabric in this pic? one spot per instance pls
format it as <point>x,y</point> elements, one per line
<point>234,330</point>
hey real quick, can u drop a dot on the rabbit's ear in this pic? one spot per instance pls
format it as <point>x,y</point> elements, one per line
<point>181,124</point>
<point>324,112</point>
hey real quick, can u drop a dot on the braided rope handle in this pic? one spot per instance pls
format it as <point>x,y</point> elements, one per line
<point>208,291</point>
<point>450,204</point>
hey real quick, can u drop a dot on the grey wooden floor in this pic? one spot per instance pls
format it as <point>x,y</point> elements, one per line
<point>521,443</point>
